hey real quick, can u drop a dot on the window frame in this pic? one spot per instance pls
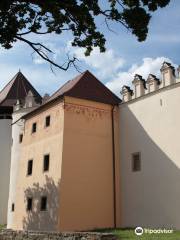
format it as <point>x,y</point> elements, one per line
<point>133,167</point>
<point>28,172</point>
<point>29,209</point>
<point>42,208</point>
<point>48,154</point>
<point>20,138</point>
<point>12,207</point>
<point>48,120</point>
<point>34,128</point>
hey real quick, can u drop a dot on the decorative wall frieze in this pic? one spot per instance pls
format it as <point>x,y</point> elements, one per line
<point>88,111</point>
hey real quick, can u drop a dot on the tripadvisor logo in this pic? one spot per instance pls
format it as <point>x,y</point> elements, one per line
<point>139,231</point>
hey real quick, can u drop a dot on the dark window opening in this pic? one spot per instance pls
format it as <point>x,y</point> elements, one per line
<point>8,117</point>
<point>29,204</point>
<point>46,163</point>
<point>34,127</point>
<point>136,162</point>
<point>30,167</point>
<point>43,203</point>
<point>12,207</point>
<point>48,121</point>
<point>5,117</point>
<point>20,138</point>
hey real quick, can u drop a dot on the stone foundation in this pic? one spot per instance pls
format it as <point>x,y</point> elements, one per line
<point>31,235</point>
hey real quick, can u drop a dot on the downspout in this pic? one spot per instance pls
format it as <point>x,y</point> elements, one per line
<point>114,166</point>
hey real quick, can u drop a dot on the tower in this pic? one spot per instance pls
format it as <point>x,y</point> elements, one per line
<point>16,89</point>
<point>17,139</point>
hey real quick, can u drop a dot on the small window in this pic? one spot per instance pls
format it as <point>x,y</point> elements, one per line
<point>136,162</point>
<point>44,203</point>
<point>30,167</point>
<point>20,138</point>
<point>34,127</point>
<point>48,121</point>
<point>29,204</point>
<point>12,207</point>
<point>46,163</point>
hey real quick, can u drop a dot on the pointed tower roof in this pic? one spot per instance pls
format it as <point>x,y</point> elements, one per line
<point>86,86</point>
<point>17,89</point>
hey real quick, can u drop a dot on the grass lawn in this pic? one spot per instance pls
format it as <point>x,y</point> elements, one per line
<point>1,227</point>
<point>130,235</point>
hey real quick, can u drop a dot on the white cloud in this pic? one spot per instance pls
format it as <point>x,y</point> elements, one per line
<point>148,65</point>
<point>106,64</point>
<point>54,55</point>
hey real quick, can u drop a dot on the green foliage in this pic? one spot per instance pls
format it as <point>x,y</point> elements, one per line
<point>19,18</point>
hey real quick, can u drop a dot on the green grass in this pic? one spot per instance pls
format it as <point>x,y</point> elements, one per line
<point>1,227</point>
<point>128,234</point>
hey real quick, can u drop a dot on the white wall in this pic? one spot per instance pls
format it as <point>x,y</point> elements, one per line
<point>151,125</point>
<point>17,129</point>
<point>5,157</point>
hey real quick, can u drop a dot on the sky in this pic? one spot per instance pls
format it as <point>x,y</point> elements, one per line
<point>124,57</point>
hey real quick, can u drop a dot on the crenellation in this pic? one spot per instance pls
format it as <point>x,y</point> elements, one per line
<point>168,74</point>
<point>17,106</point>
<point>139,85</point>
<point>127,93</point>
<point>152,84</point>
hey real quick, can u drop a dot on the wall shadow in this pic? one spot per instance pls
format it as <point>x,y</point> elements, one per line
<point>42,220</point>
<point>151,197</point>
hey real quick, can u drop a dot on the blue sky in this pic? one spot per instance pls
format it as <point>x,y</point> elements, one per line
<point>124,57</point>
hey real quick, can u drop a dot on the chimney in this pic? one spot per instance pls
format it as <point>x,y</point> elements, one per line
<point>139,85</point>
<point>152,83</point>
<point>126,93</point>
<point>168,74</point>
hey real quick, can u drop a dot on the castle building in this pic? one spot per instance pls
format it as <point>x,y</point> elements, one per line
<point>150,152</point>
<point>16,89</point>
<point>66,177</point>
<point>83,159</point>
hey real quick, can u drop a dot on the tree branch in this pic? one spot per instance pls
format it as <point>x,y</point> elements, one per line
<point>37,47</point>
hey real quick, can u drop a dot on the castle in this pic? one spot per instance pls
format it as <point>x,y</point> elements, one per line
<point>83,159</point>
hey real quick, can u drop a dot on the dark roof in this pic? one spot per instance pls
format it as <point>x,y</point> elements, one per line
<point>17,89</point>
<point>87,86</point>
<point>84,86</point>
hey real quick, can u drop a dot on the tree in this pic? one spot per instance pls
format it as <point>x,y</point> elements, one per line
<point>20,18</point>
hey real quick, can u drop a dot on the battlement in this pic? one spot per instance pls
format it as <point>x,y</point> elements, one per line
<point>29,102</point>
<point>143,87</point>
